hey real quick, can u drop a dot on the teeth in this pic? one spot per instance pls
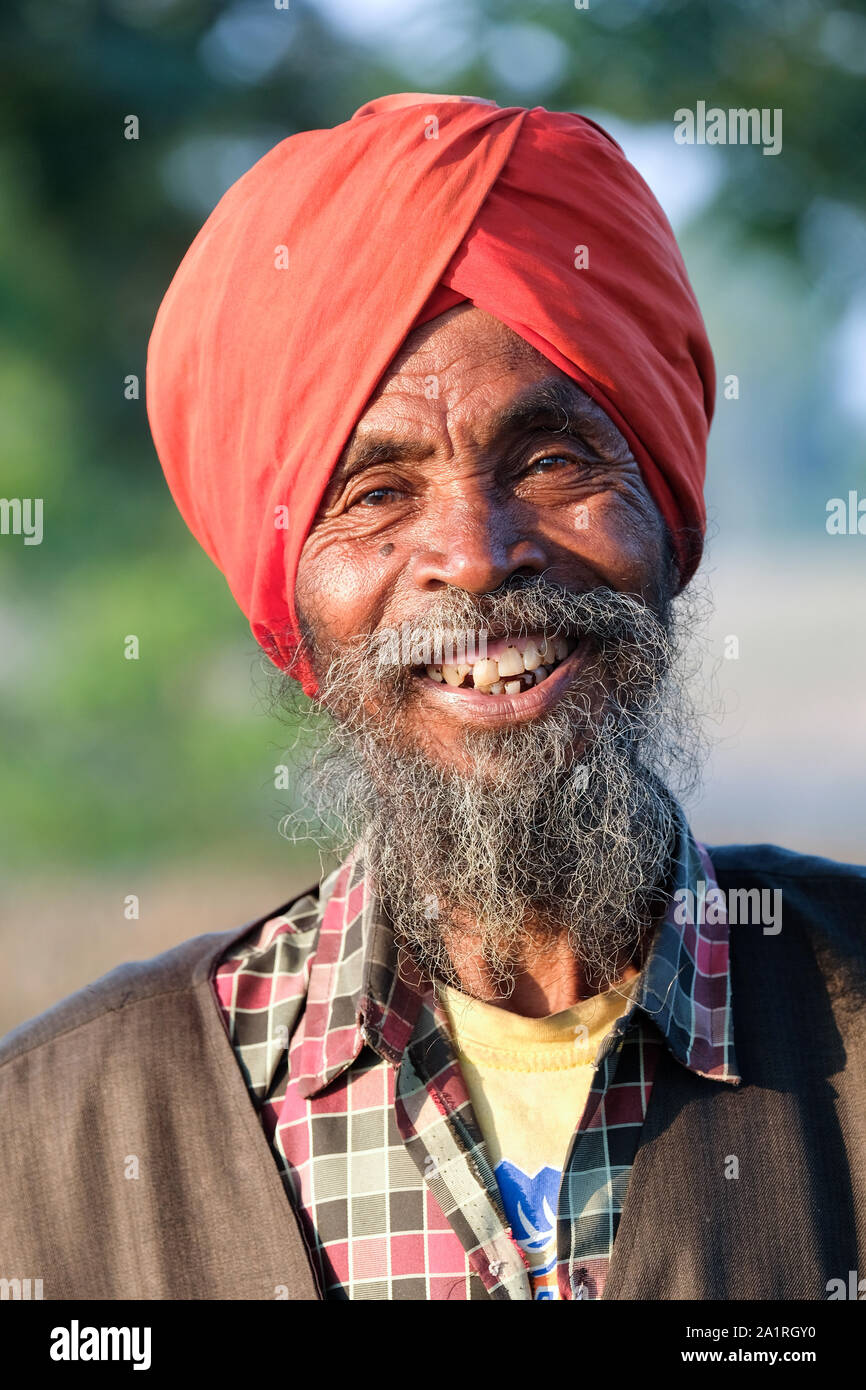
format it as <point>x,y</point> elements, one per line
<point>511,662</point>
<point>531,656</point>
<point>514,671</point>
<point>485,673</point>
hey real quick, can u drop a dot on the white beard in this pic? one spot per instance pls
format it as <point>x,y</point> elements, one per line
<point>524,842</point>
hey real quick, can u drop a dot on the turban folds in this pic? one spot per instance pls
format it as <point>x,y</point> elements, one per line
<point>314,266</point>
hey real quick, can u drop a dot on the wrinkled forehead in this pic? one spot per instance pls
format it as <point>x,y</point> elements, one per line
<point>467,324</point>
<point>466,369</point>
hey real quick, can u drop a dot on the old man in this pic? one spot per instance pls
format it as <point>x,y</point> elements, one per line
<point>433,390</point>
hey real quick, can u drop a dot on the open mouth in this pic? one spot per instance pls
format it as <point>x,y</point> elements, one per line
<point>512,665</point>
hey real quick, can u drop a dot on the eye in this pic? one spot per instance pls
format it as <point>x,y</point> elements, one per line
<point>375,497</point>
<point>549,463</point>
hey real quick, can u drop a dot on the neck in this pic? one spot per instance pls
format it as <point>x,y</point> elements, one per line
<point>550,977</point>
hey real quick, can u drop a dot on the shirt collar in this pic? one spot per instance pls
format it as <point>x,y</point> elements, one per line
<point>361,994</point>
<point>685,985</point>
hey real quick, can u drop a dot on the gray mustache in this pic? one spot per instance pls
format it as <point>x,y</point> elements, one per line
<point>613,619</point>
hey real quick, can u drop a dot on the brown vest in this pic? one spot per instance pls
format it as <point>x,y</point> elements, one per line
<point>133,1163</point>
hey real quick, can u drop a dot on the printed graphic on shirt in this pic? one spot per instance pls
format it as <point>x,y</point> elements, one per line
<point>530,1205</point>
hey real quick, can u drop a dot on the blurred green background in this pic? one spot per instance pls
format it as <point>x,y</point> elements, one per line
<point>155,777</point>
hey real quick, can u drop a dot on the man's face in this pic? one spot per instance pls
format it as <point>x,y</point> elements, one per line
<point>482,491</point>
<point>477,461</point>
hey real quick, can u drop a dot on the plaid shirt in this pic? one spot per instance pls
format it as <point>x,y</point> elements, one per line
<point>358,1087</point>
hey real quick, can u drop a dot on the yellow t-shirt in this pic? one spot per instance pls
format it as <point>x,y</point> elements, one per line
<point>528,1080</point>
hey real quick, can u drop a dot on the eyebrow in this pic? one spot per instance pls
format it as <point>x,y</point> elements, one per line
<point>555,406</point>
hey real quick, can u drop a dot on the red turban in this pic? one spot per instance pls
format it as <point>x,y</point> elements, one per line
<point>309,273</point>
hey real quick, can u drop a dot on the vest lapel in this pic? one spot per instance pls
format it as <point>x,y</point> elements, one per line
<point>237,1140</point>
<point>691,1229</point>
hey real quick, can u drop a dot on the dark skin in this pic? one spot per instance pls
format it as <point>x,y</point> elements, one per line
<point>503,467</point>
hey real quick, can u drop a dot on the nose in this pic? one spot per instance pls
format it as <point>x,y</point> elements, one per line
<point>475,547</point>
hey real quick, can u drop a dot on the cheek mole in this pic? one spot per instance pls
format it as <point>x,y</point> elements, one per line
<point>386,549</point>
